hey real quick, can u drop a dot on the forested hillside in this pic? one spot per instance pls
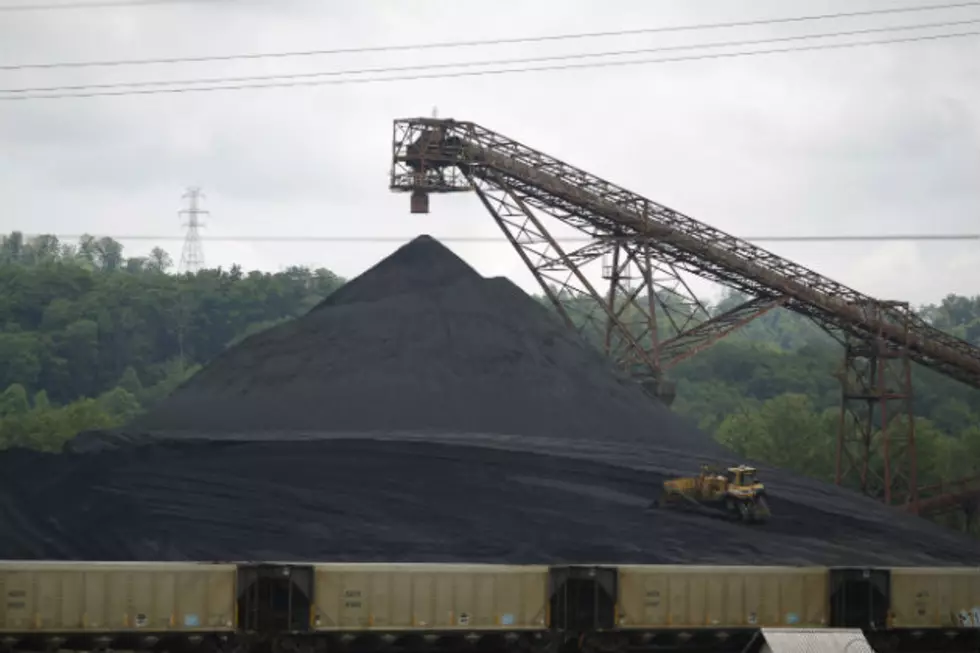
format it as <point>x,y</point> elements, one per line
<point>90,337</point>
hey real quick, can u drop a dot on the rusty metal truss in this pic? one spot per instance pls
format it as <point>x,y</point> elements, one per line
<point>962,495</point>
<point>615,289</point>
<point>647,317</point>
<point>443,155</point>
<point>876,436</point>
<point>705,334</point>
<point>625,306</point>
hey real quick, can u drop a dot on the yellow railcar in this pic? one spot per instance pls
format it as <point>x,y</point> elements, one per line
<point>721,597</point>
<point>935,597</point>
<point>92,598</point>
<point>429,597</point>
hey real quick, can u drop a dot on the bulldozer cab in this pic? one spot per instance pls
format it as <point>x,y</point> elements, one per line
<point>742,476</point>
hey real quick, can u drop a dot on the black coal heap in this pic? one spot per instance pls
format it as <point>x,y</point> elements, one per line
<point>421,413</point>
<point>420,342</point>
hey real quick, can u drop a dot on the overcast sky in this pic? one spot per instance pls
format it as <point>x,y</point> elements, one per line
<point>882,139</point>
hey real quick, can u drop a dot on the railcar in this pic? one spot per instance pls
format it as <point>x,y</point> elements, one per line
<point>434,597</point>
<point>337,603</point>
<point>659,607</point>
<point>348,606</point>
<point>84,605</point>
<point>640,607</point>
<point>934,597</point>
<point>733,597</point>
<point>908,608</point>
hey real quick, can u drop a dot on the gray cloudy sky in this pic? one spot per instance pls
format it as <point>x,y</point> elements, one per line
<point>867,140</point>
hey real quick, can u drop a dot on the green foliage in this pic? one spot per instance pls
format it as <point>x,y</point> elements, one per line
<point>786,431</point>
<point>95,337</point>
<point>74,320</point>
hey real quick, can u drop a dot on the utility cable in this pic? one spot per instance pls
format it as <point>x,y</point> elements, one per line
<point>486,42</point>
<point>491,62</point>
<point>38,6</point>
<point>501,239</point>
<point>481,73</point>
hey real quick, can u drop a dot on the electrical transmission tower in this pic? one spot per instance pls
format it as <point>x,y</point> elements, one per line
<point>192,255</point>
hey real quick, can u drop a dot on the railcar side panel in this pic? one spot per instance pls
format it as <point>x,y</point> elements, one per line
<point>108,597</point>
<point>404,597</point>
<point>667,596</point>
<point>935,597</point>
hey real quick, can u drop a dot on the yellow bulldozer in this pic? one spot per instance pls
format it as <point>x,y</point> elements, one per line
<point>734,492</point>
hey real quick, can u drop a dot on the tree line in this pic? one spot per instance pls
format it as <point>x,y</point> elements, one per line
<point>90,337</point>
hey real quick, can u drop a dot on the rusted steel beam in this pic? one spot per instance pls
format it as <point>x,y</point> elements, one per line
<point>687,344</point>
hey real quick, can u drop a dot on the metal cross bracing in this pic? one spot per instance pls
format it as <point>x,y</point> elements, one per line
<point>955,503</point>
<point>644,244</point>
<point>625,313</point>
<point>962,495</point>
<point>876,434</point>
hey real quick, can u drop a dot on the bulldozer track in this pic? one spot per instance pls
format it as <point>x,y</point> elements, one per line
<point>691,506</point>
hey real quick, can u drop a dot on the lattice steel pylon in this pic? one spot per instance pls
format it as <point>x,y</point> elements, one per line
<point>876,432</point>
<point>522,187</point>
<point>192,254</point>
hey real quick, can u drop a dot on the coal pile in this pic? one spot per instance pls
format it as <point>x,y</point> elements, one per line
<point>420,342</point>
<point>421,413</point>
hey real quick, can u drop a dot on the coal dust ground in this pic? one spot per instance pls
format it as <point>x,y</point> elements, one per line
<point>421,413</point>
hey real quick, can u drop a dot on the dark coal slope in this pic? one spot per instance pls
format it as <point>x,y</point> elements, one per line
<point>421,413</point>
<point>360,500</point>
<point>421,342</point>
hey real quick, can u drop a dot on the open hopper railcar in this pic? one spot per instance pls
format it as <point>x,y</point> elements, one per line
<point>336,606</point>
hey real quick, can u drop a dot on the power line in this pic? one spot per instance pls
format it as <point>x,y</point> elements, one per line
<point>101,5</point>
<point>480,73</point>
<point>486,42</point>
<point>491,62</point>
<point>502,240</point>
